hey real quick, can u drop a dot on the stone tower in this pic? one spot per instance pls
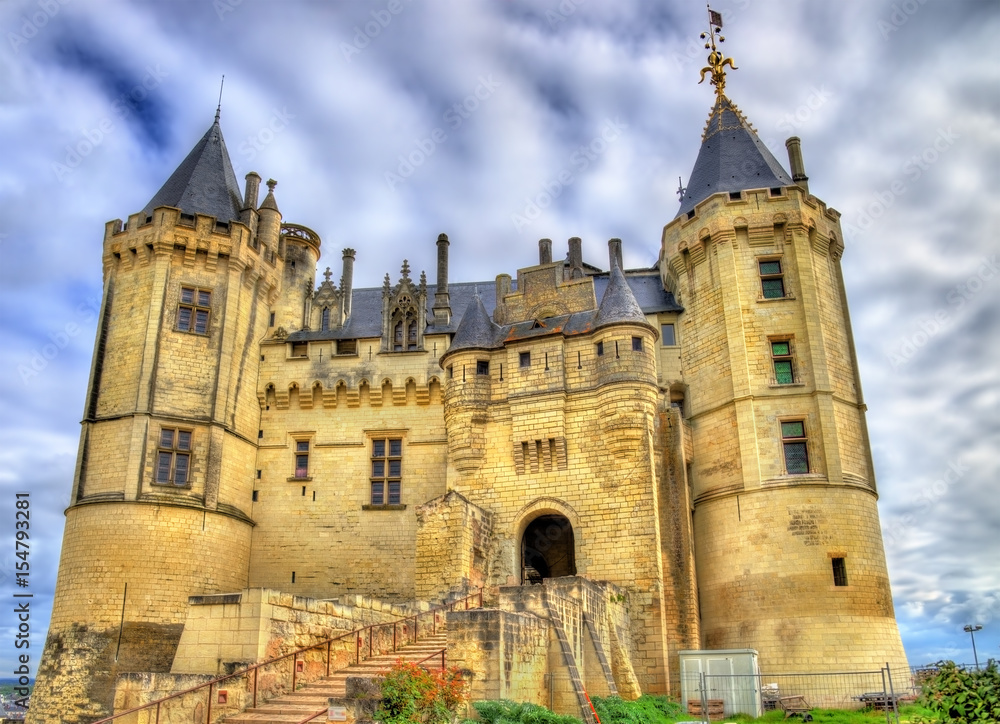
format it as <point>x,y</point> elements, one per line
<point>161,497</point>
<point>789,552</point>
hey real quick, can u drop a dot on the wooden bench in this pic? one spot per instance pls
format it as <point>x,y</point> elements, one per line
<point>716,709</point>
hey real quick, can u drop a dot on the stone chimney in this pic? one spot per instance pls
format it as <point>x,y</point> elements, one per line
<point>794,146</point>
<point>442,300</point>
<point>248,215</point>
<point>615,254</point>
<point>545,251</point>
<point>575,258</point>
<point>502,290</point>
<point>347,282</point>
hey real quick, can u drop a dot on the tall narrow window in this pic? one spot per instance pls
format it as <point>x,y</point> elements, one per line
<point>411,337</point>
<point>839,572</point>
<point>193,310</point>
<point>637,344</point>
<point>325,319</point>
<point>781,356</point>
<point>301,458</point>
<point>668,335</point>
<point>772,279</point>
<point>524,359</point>
<point>397,337</point>
<point>173,458</point>
<point>793,438</point>
<point>600,349</point>
<point>387,471</point>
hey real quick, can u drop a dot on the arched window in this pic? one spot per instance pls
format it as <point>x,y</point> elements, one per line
<point>404,325</point>
<point>325,319</point>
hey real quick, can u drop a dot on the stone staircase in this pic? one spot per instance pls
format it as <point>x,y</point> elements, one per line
<point>311,698</point>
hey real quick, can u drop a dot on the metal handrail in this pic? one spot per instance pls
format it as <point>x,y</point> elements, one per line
<point>440,653</point>
<point>256,667</point>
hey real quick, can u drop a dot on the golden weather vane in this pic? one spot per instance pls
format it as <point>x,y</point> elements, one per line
<point>716,60</point>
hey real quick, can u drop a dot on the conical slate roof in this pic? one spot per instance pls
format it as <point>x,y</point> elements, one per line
<point>477,330</point>
<point>204,183</point>
<point>618,303</point>
<point>732,158</point>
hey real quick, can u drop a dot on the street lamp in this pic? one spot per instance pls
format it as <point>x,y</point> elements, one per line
<point>971,630</point>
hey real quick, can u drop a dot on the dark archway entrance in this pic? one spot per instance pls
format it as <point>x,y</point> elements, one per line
<point>547,549</point>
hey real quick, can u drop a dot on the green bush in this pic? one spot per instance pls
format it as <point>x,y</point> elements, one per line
<point>647,709</point>
<point>413,695</point>
<point>512,712</point>
<point>957,696</point>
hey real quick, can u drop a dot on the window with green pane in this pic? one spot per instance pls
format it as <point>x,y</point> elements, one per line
<point>781,354</point>
<point>793,439</point>
<point>387,471</point>
<point>772,279</point>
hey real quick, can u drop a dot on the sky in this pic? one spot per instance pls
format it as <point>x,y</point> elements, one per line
<point>388,122</point>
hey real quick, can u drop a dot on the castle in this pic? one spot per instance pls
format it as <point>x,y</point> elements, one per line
<point>693,433</point>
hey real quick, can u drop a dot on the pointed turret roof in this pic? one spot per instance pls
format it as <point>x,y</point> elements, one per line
<point>204,183</point>
<point>731,158</point>
<point>477,330</point>
<point>618,303</point>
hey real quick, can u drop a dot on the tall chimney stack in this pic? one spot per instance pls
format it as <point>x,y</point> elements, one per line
<point>442,299</point>
<point>545,251</point>
<point>575,258</point>
<point>614,254</point>
<point>347,282</point>
<point>794,146</point>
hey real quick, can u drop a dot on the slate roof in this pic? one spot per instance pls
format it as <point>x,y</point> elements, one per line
<point>204,183</point>
<point>731,158</point>
<point>366,309</point>
<point>618,304</point>
<point>477,330</point>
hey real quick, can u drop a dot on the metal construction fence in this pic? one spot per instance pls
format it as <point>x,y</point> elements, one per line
<point>711,697</point>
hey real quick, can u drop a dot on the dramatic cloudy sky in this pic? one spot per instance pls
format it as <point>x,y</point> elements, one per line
<point>896,103</point>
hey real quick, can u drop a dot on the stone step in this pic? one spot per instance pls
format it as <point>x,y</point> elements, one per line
<point>293,707</point>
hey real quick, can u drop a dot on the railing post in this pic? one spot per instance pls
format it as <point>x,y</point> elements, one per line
<point>208,714</point>
<point>703,686</point>
<point>295,671</point>
<point>255,669</point>
<point>157,712</point>
<point>328,644</point>
<point>393,637</point>
<point>892,693</point>
<point>371,636</point>
<point>357,651</point>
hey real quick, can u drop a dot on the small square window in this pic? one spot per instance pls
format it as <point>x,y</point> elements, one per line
<point>637,344</point>
<point>668,335</point>
<point>193,310</point>
<point>378,493</point>
<point>300,349</point>
<point>524,358</point>
<point>482,367</point>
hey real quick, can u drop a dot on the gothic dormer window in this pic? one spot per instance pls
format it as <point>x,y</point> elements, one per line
<point>404,313</point>
<point>328,305</point>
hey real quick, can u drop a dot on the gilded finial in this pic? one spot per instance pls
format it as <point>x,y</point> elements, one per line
<point>716,60</point>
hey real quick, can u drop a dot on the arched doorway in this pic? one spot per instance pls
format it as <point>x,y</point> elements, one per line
<point>547,549</point>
